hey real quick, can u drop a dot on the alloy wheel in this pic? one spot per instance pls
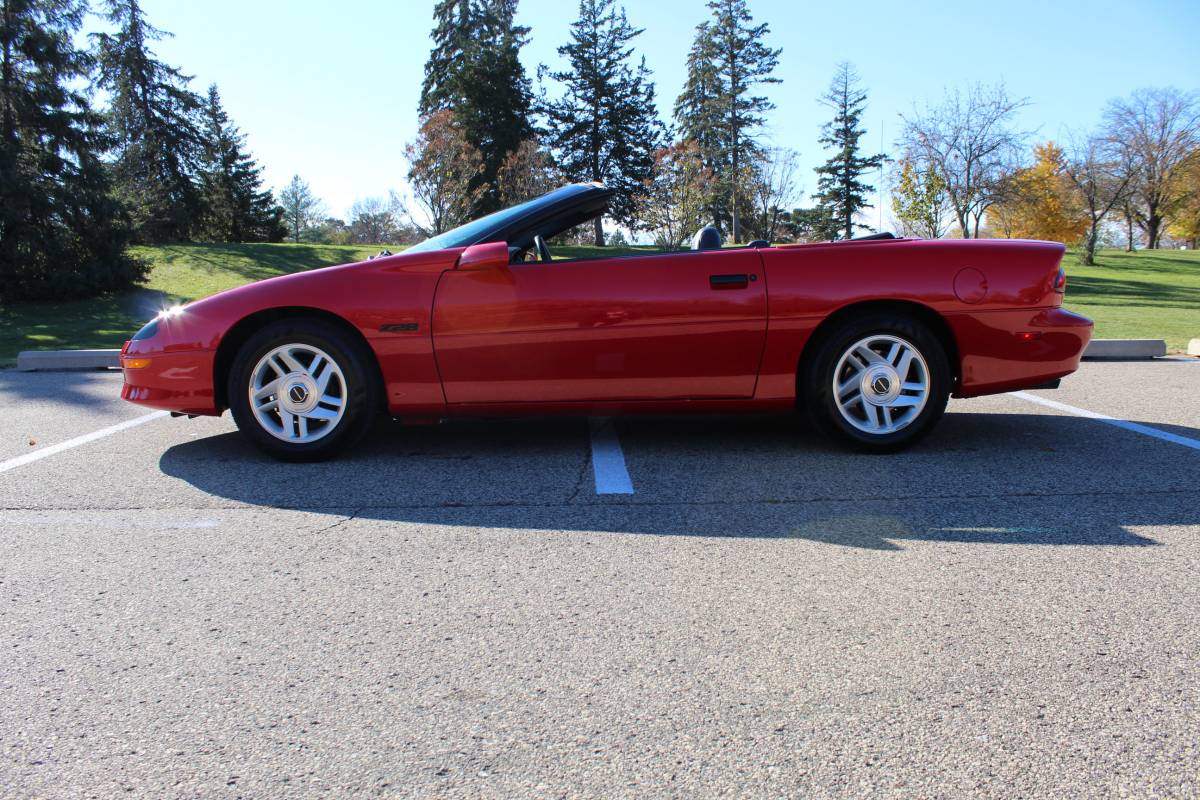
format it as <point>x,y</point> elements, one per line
<point>298,393</point>
<point>881,384</point>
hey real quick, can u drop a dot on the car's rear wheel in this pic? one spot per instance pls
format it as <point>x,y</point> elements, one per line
<point>303,390</point>
<point>878,382</point>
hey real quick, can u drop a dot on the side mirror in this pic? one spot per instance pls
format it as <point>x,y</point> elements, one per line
<point>492,255</point>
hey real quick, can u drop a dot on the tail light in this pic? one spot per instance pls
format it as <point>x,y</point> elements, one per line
<point>1060,281</point>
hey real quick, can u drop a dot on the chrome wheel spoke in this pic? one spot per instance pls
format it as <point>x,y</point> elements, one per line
<point>289,425</point>
<point>323,376</point>
<point>907,401</point>
<point>872,414</point>
<point>285,355</point>
<point>314,366</point>
<point>322,413</point>
<point>868,356</point>
<point>267,389</point>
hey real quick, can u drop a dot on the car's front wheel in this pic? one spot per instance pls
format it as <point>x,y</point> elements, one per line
<point>878,382</point>
<point>303,390</point>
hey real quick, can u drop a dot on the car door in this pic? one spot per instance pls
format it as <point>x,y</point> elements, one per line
<point>653,327</point>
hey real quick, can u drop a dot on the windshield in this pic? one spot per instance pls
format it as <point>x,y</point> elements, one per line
<point>470,233</point>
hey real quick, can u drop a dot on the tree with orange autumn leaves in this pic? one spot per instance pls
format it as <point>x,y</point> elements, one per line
<point>1185,225</point>
<point>1040,201</point>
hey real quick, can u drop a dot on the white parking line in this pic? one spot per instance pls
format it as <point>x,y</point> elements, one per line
<point>608,462</point>
<point>1120,423</point>
<point>38,455</point>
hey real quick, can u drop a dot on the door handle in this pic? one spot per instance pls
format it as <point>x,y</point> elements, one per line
<point>728,281</point>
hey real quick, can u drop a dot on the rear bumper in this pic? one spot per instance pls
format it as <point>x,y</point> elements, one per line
<point>1006,350</point>
<point>180,382</point>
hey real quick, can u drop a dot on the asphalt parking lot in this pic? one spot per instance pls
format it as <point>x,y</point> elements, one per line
<point>474,609</point>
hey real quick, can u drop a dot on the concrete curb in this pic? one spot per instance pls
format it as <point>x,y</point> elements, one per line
<point>1127,349</point>
<point>61,360</point>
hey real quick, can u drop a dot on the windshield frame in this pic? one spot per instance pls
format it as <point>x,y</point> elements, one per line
<point>518,221</point>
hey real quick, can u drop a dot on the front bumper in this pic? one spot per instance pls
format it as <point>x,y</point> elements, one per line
<point>179,381</point>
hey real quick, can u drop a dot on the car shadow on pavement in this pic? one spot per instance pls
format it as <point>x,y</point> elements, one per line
<point>1027,479</point>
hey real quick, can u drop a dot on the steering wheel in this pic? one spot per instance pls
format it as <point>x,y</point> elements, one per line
<point>542,249</point>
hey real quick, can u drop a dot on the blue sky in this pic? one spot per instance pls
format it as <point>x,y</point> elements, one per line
<point>329,90</point>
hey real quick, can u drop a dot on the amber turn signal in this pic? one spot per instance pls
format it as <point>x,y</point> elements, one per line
<point>135,363</point>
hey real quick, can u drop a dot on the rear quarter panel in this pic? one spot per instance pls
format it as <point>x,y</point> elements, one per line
<point>808,283</point>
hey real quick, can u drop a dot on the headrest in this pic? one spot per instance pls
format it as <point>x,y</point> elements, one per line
<point>707,238</point>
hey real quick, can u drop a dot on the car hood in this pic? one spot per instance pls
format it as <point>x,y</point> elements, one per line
<point>280,286</point>
<point>345,290</point>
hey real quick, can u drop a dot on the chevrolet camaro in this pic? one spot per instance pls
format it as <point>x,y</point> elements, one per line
<point>866,337</point>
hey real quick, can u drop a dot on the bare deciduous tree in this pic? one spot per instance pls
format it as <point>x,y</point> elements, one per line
<point>1102,184</point>
<point>970,142</point>
<point>1128,218</point>
<point>773,190</point>
<point>371,221</point>
<point>1158,130</point>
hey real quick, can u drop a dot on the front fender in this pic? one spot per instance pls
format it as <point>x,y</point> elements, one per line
<point>389,301</point>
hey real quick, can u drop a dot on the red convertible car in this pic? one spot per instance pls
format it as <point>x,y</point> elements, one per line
<point>869,337</point>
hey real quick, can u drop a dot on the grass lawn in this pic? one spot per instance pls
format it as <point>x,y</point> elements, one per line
<point>1152,295</point>
<point>178,273</point>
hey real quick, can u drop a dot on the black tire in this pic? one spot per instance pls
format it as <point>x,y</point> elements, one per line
<point>359,383</point>
<point>818,376</point>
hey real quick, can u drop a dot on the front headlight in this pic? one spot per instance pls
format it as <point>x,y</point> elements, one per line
<point>147,331</point>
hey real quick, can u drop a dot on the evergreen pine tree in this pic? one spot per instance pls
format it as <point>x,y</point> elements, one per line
<point>453,23</point>
<point>605,128</point>
<point>301,208</point>
<point>153,123</point>
<point>699,117</point>
<point>475,71</point>
<point>236,207</point>
<point>840,191</point>
<point>61,232</point>
<point>718,107</point>
<point>814,224</point>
